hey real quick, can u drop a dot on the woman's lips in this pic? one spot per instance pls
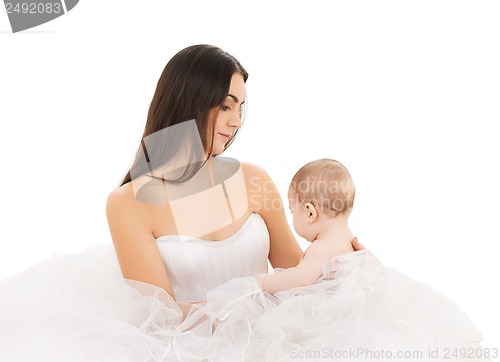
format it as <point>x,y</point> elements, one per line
<point>225,135</point>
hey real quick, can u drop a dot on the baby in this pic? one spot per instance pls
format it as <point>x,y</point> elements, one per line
<point>321,197</point>
<point>350,296</point>
<point>338,299</point>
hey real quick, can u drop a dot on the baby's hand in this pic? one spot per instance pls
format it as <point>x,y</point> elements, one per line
<point>260,279</point>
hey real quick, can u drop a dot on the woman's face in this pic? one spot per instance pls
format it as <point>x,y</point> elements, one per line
<point>228,115</point>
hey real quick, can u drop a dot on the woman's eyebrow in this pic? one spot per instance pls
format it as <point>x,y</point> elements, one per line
<point>235,98</point>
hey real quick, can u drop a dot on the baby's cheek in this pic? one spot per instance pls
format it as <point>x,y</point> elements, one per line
<point>298,228</point>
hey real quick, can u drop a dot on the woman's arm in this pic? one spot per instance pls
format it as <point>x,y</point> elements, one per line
<point>265,200</point>
<point>134,243</point>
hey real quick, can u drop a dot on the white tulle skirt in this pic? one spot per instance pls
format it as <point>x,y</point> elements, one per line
<point>77,307</point>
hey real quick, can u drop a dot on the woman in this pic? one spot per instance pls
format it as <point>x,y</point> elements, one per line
<point>183,221</point>
<point>206,86</point>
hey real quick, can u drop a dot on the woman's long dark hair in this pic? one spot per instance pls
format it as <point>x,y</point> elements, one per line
<point>192,85</point>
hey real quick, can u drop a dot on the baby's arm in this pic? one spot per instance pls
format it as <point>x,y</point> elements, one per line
<point>305,273</point>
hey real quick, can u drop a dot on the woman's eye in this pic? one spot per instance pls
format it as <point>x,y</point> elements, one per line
<point>226,108</point>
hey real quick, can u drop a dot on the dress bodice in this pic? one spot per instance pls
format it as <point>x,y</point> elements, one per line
<point>196,266</point>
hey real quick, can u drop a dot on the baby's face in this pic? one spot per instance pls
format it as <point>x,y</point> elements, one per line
<point>299,212</point>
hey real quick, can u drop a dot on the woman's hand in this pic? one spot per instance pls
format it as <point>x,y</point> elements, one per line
<point>357,245</point>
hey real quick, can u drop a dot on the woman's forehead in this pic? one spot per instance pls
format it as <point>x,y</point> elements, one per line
<point>237,88</point>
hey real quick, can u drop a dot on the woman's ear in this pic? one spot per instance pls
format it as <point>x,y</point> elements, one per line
<point>312,213</point>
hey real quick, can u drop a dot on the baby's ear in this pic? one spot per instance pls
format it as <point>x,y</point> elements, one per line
<point>312,212</point>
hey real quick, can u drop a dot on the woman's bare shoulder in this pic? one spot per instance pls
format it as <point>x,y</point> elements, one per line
<point>121,196</point>
<point>231,165</point>
<point>137,194</point>
<point>127,217</point>
<point>123,203</point>
<point>253,170</point>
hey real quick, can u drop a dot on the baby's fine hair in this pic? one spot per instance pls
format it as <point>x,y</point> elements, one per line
<point>326,184</point>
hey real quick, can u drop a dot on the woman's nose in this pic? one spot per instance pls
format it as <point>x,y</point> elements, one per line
<point>235,120</point>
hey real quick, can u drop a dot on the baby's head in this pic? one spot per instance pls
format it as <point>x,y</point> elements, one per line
<point>321,188</point>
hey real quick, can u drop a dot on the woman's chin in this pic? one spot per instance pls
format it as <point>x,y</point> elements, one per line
<point>218,150</point>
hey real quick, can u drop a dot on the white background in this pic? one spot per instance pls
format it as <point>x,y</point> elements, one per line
<point>405,94</point>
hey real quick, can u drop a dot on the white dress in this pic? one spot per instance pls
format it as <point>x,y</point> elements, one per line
<point>77,307</point>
